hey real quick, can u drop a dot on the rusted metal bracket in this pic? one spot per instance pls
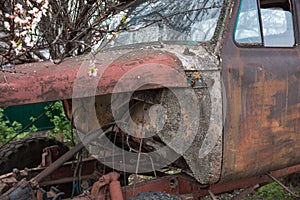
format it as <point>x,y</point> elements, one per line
<point>50,154</point>
<point>99,189</point>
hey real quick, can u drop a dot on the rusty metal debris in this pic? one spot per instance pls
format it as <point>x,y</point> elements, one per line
<point>108,182</point>
<point>67,156</point>
<point>50,154</point>
<point>111,180</point>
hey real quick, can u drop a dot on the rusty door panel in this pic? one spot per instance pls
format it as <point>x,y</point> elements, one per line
<point>42,82</point>
<point>262,128</point>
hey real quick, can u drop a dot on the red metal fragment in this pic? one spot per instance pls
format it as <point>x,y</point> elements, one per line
<point>99,188</point>
<point>115,187</point>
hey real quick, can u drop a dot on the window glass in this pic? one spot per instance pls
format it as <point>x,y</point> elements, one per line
<point>276,19</point>
<point>277,27</point>
<point>247,28</point>
<point>168,20</point>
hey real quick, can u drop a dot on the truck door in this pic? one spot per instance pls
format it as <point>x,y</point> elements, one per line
<point>261,74</point>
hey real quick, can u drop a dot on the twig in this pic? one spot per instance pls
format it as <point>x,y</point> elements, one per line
<point>283,186</point>
<point>171,15</point>
<point>140,149</point>
<point>212,195</point>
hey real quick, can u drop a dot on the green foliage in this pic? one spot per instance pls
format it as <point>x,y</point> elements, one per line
<point>62,125</point>
<point>271,191</point>
<point>7,129</point>
<point>56,115</point>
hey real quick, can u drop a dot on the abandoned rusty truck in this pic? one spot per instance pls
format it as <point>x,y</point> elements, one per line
<point>207,89</point>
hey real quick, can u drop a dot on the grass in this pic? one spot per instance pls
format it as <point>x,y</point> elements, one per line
<point>272,191</point>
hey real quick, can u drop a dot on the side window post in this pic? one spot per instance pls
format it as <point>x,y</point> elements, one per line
<point>260,22</point>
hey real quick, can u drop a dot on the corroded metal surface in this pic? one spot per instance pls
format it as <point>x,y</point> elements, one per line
<point>262,125</point>
<point>42,82</point>
<point>204,157</point>
<point>202,149</point>
<point>188,188</point>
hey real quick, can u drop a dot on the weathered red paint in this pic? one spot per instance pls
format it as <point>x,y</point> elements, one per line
<point>45,81</point>
<point>262,125</point>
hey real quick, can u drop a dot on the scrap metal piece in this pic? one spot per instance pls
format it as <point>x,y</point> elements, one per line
<point>99,188</point>
<point>50,154</point>
<point>67,156</point>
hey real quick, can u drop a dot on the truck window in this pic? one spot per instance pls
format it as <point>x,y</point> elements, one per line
<point>268,24</point>
<point>168,20</point>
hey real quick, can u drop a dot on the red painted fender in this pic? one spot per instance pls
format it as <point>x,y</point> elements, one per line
<point>45,81</point>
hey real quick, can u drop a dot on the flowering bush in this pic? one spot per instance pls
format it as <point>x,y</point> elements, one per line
<point>23,22</point>
<point>33,30</point>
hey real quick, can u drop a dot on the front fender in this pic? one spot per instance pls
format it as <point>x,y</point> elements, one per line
<point>45,81</point>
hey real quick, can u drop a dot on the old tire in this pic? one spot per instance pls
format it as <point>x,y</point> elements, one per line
<point>26,152</point>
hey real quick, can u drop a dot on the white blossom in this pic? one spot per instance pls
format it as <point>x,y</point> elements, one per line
<point>17,33</point>
<point>23,33</point>
<point>44,11</point>
<point>14,44</point>
<point>19,8</point>
<point>33,11</point>
<point>93,71</point>
<point>7,25</point>
<point>46,5</point>
<point>18,20</point>
<point>28,3</point>
<point>39,15</point>
<point>29,42</point>
<point>17,47</point>
<point>109,37</point>
<point>26,23</point>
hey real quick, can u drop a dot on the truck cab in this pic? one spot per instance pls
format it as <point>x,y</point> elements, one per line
<point>209,87</point>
